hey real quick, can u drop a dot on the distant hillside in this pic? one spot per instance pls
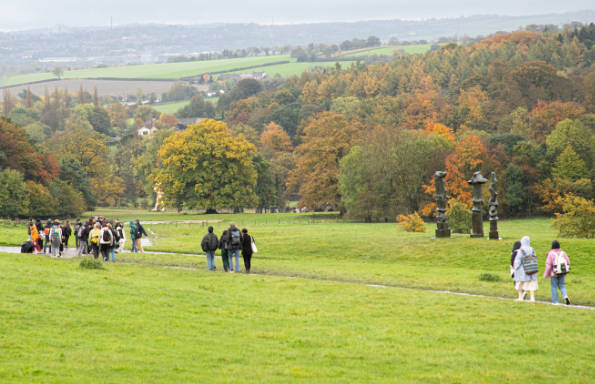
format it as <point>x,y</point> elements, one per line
<point>83,47</point>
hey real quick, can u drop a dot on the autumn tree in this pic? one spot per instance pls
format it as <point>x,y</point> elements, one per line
<point>326,139</point>
<point>206,167</point>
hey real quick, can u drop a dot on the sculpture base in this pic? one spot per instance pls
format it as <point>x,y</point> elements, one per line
<point>477,235</point>
<point>494,235</point>
<point>443,233</point>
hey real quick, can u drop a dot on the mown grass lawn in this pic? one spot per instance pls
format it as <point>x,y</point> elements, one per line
<point>139,324</point>
<point>323,247</point>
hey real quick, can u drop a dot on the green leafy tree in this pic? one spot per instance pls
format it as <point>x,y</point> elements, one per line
<point>72,172</point>
<point>570,166</point>
<point>67,200</point>
<point>573,133</point>
<point>206,167</point>
<point>13,194</point>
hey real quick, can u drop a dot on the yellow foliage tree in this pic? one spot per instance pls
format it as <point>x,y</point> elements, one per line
<point>206,167</point>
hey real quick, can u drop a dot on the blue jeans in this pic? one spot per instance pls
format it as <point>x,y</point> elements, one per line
<point>112,250</point>
<point>211,260</point>
<point>230,254</point>
<point>133,249</point>
<point>555,284</point>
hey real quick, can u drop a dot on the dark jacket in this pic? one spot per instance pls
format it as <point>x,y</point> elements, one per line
<point>66,231</point>
<point>140,231</point>
<point>210,242</point>
<point>230,236</point>
<point>223,240</point>
<point>85,233</point>
<point>246,244</point>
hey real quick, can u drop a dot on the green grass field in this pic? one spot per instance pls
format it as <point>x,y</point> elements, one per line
<point>388,51</point>
<point>306,314</point>
<point>149,71</point>
<point>170,108</point>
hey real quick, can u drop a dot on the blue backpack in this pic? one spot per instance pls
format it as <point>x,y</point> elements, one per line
<point>529,263</point>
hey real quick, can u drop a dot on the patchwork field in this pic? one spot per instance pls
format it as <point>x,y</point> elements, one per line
<point>308,313</point>
<point>388,51</point>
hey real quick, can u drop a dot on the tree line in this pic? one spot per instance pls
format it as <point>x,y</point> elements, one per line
<point>364,139</point>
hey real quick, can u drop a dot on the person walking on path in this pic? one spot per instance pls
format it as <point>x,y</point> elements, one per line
<point>115,239</point>
<point>209,244</point>
<point>55,236</point>
<point>66,233</point>
<point>133,237</point>
<point>46,236</point>
<point>77,228</point>
<point>513,254</point>
<point>140,231</point>
<point>105,241</point>
<point>223,245</point>
<point>234,244</point>
<point>35,237</point>
<point>121,237</point>
<point>247,250</point>
<point>557,266</point>
<point>525,281</point>
<point>83,236</point>
<point>94,240</point>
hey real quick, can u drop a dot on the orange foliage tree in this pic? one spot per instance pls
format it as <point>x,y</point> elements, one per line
<point>326,139</point>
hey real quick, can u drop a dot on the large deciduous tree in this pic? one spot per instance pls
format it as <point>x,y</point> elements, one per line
<point>206,167</point>
<point>326,139</point>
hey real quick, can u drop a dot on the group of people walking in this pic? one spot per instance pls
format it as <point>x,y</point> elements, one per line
<point>524,268</point>
<point>232,241</point>
<point>96,236</point>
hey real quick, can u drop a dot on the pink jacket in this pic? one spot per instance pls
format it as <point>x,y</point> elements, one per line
<point>549,262</point>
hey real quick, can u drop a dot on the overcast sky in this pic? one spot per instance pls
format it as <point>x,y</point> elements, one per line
<point>27,14</point>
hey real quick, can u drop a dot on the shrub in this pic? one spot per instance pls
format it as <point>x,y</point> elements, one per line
<point>459,217</point>
<point>488,277</point>
<point>90,263</point>
<point>412,223</point>
<point>577,218</point>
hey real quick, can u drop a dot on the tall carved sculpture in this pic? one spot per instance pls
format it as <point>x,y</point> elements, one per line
<point>477,180</point>
<point>442,229</point>
<point>493,210</point>
<point>159,204</point>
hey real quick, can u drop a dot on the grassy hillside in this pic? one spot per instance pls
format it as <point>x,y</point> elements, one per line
<point>134,323</point>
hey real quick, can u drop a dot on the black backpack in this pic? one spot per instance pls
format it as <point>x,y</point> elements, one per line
<point>107,236</point>
<point>236,238</point>
<point>212,242</point>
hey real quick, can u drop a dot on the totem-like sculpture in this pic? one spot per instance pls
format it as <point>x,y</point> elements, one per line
<point>477,180</point>
<point>493,210</point>
<point>442,229</point>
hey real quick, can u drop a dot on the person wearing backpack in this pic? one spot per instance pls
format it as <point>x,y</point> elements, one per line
<point>94,240</point>
<point>525,270</point>
<point>557,265</point>
<point>223,246</point>
<point>209,245</point>
<point>234,244</point>
<point>247,249</point>
<point>55,236</point>
<point>105,241</point>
